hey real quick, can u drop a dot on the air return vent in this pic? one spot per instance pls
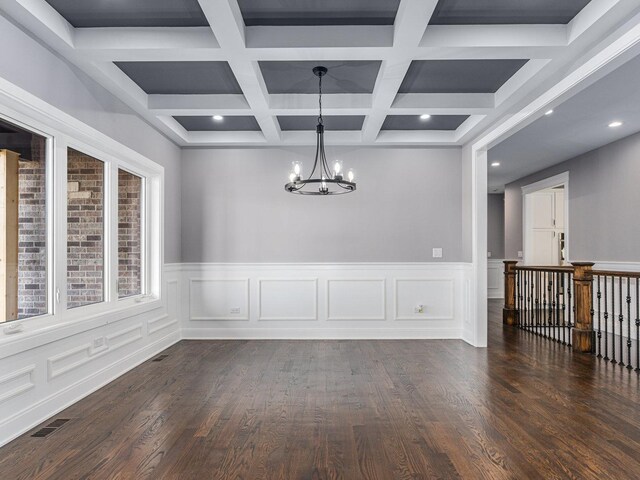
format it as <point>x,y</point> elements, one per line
<point>52,427</point>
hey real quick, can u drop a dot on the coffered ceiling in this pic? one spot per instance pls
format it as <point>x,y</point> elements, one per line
<point>464,63</point>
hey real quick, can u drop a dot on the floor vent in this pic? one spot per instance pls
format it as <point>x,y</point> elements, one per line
<point>52,427</point>
<point>160,358</point>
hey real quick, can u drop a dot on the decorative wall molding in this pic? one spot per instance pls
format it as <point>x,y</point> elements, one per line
<point>16,383</point>
<point>321,300</point>
<point>430,298</point>
<point>356,299</point>
<point>217,294</point>
<point>495,278</point>
<point>287,301</point>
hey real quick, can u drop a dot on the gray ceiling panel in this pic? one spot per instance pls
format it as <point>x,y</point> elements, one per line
<point>186,78</point>
<point>343,76</point>
<point>459,76</point>
<point>318,12</point>
<point>414,122</point>
<point>494,12</point>
<point>227,124</point>
<point>331,122</point>
<point>131,13</point>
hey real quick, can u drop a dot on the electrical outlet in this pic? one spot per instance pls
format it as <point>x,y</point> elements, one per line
<point>235,310</point>
<point>418,309</point>
<point>488,254</point>
<point>437,253</point>
<point>519,253</point>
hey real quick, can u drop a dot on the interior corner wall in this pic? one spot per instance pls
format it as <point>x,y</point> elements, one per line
<point>32,66</point>
<point>495,225</point>
<point>604,199</point>
<point>466,217</point>
<point>235,208</point>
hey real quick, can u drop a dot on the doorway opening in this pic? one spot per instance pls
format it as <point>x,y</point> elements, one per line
<point>546,220</point>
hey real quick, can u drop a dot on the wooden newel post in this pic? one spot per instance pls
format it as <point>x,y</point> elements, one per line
<point>509,312</point>
<point>583,302</point>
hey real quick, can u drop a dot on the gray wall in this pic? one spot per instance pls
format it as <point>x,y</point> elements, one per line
<point>604,201</point>
<point>235,209</point>
<point>495,225</point>
<point>33,67</point>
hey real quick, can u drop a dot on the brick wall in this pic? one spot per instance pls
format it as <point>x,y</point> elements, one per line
<point>32,232</point>
<point>129,248</point>
<point>85,229</point>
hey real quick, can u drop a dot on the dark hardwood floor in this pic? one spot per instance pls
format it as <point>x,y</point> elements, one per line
<point>524,408</point>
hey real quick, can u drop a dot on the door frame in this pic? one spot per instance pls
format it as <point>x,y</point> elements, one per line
<point>527,190</point>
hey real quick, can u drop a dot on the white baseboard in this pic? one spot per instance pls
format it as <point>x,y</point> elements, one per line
<point>321,334</point>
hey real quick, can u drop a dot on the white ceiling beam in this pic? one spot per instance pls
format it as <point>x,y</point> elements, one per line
<point>443,103</point>
<point>225,138</point>
<point>411,21</point>
<point>227,23</point>
<point>148,44</point>
<point>330,101</point>
<point>594,11</point>
<point>478,36</point>
<point>413,137</point>
<point>347,36</point>
<point>198,105</point>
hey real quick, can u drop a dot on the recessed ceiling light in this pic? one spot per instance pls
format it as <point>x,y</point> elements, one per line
<point>549,112</point>
<point>615,124</point>
<point>425,116</point>
<point>218,118</point>
<point>495,164</point>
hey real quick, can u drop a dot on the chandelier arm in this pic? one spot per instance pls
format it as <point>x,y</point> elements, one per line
<point>315,161</point>
<point>325,165</point>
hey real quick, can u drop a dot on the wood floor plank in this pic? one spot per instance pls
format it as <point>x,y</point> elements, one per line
<point>524,408</point>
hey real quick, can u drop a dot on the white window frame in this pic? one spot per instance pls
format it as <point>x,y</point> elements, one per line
<point>62,131</point>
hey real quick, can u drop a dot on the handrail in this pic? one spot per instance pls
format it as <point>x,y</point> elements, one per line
<point>616,273</point>
<point>542,268</point>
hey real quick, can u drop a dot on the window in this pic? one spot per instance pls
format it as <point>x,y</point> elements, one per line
<point>23,223</point>
<point>85,229</point>
<point>129,234</point>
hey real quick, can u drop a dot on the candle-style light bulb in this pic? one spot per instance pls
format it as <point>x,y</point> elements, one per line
<point>351,175</point>
<point>292,177</point>
<point>296,168</point>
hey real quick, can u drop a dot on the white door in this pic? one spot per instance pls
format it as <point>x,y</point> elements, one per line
<point>546,226</point>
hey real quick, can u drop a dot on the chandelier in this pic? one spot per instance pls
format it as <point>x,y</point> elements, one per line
<point>322,180</point>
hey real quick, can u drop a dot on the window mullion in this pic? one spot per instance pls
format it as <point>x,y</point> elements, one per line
<point>57,204</point>
<point>111,232</point>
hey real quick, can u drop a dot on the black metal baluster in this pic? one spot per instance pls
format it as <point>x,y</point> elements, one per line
<point>537,284</point>
<point>545,321</point>
<point>637,324</point>
<point>606,321</point>
<point>554,311</point>
<point>613,319</point>
<point>569,308</point>
<point>621,320</point>
<point>599,334</point>
<point>563,276</point>
<point>629,367</point>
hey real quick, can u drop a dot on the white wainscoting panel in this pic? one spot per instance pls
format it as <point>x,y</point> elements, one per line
<point>437,296</point>
<point>287,299</point>
<point>495,278</point>
<point>218,299</point>
<point>44,371</point>
<point>341,301</point>
<point>356,299</point>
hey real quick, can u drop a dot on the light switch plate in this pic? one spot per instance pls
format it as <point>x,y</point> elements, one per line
<point>519,253</point>
<point>437,253</point>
